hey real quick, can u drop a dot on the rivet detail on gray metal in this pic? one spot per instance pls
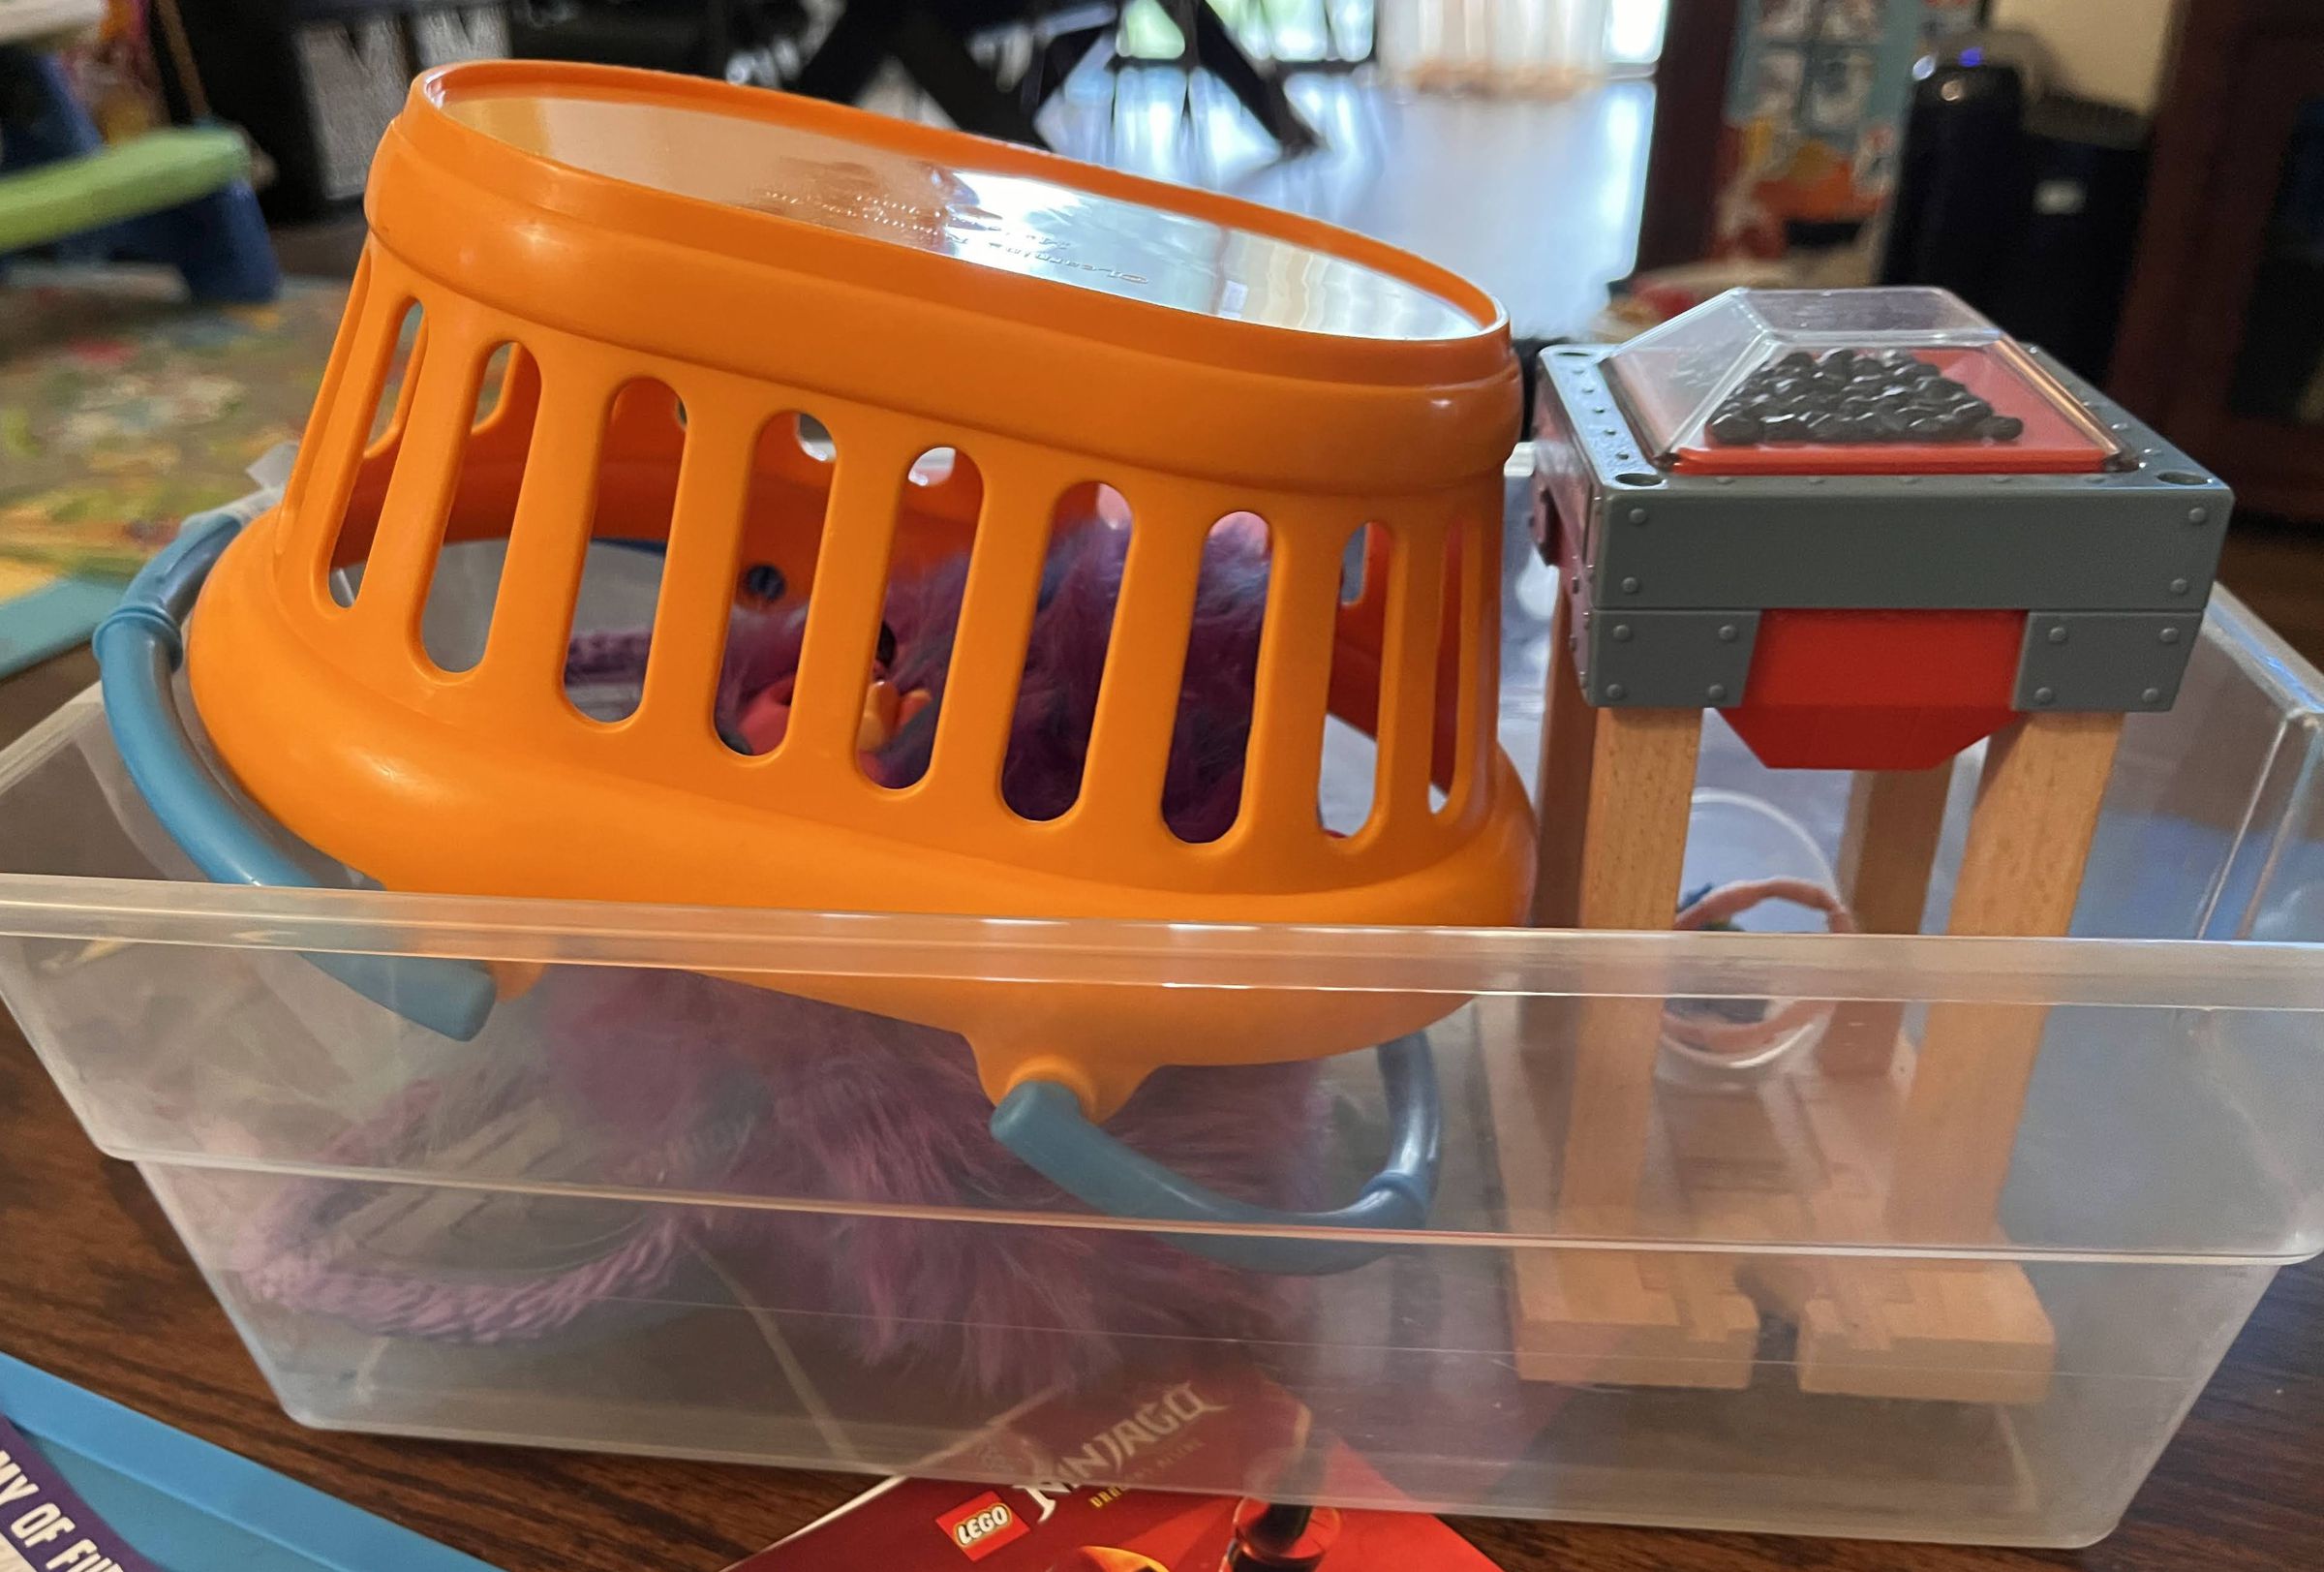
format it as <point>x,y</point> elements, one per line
<point>2107,661</point>
<point>1668,660</point>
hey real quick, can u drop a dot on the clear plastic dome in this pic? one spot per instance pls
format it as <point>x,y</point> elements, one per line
<point>1849,382</point>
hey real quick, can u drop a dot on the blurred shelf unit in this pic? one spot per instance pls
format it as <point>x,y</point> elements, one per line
<point>316,81</point>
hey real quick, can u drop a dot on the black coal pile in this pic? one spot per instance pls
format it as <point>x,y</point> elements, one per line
<point>1857,396</point>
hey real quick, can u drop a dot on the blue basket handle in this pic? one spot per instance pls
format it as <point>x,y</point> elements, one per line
<point>1042,1123</point>
<point>139,647</point>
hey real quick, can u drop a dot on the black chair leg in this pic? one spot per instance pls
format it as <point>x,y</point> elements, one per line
<point>1259,91</point>
<point>869,31</point>
<point>941,64</point>
<point>845,63</point>
<point>1055,62</point>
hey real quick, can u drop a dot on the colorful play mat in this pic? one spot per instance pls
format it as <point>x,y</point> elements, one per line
<point>123,408</point>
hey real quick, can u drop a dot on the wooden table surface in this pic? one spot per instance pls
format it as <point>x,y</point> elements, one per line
<point>95,1287</point>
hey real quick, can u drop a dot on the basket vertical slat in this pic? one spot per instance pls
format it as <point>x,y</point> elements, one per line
<point>548,539</point>
<point>1120,812</point>
<point>1476,635</point>
<point>385,617</point>
<point>988,648</point>
<point>311,529</point>
<point>1282,775</point>
<point>340,432</point>
<point>1408,688</point>
<point>843,614</point>
<point>692,610</point>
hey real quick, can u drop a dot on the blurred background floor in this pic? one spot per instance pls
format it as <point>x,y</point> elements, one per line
<point>1535,199</point>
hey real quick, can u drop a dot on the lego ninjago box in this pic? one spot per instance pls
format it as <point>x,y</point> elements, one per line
<point>1107,1503</point>
<point>940,1525</point>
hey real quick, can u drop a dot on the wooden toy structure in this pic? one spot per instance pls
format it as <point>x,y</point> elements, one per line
<point>1922,559</point>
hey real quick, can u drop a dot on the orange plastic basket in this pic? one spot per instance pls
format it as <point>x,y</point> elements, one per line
<point>687,270</point>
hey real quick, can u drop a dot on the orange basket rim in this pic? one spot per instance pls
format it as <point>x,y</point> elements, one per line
<point>756,236</point>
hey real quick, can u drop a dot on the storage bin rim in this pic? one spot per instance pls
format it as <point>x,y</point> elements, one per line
<point>2178,974</point>
<point>739,233</point>
<point>2163,973</point>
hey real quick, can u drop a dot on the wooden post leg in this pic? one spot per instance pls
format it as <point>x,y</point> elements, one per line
<point>1569,741</point>
<point>1962,1331</point>
<point>1638,1317</point>
<point>2038,806</point>
<point>1887,851</point>
<point>1668,1319</point>
<point>1642,788</point>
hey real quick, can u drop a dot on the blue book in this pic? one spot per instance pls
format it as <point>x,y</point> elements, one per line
<point>89,1486</point>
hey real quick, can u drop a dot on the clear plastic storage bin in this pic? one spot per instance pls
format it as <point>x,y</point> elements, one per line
<point>647,1211</point>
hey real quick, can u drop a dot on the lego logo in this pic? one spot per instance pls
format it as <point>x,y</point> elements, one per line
<point>982,1527</point>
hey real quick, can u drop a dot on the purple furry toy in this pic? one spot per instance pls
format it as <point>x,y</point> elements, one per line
<point>842,1107</point>
<point>855,1109</point>
<point>1057,692</point>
